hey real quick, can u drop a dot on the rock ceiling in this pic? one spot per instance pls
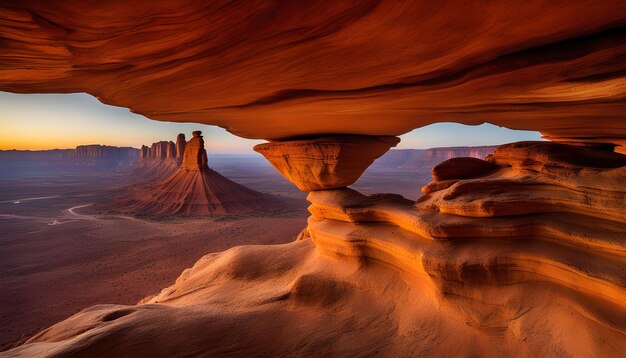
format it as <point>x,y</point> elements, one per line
<point>285,69</point>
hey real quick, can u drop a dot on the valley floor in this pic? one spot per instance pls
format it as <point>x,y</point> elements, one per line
<point>60,252</point>
<point>59,255</point>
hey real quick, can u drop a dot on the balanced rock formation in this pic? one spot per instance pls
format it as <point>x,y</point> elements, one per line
<point>325,163</point>
<point>364,67</point>
<point>194,189</point>
<point>525,260</point>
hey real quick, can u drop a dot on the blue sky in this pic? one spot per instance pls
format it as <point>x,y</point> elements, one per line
<point>46,121</point>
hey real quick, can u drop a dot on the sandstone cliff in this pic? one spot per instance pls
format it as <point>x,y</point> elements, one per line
<point>83,157</point>
<point>104,155</point>
<point>159,160</point>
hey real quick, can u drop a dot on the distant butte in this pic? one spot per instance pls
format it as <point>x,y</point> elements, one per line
<point>187,186</point>
<point>159,160</point>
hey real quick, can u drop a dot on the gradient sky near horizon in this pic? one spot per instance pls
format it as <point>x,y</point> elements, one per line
<point>49,121</point>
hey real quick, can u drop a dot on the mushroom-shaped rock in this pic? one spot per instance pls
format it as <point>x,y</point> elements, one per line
<point>325,163</point>
<point>462,168</point>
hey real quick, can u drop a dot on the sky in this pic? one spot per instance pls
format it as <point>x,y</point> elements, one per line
<point>58,121</point>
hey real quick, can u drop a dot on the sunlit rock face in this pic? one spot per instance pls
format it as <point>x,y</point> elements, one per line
<point>539,214</point>
<point>325,163</point>
<point>285,69</point>
<point>194,156</point>
<point>525,259</point>
<point>159,160</point>
<point>180,145</point>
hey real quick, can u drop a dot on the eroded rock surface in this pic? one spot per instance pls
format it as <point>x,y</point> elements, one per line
<point>460,168</point>
<point>383,275</point>
<point>95,151</point>
<point>160,160</point>
<point>180,145</point>
<point>264,70</point>
<point>194,156</point>
<point>95,156</point>
<point>325,163</point>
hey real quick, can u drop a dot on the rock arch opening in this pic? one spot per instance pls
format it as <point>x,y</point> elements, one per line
<point>406,168</point>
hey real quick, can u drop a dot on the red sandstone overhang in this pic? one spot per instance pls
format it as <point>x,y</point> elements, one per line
<point>285,69</point>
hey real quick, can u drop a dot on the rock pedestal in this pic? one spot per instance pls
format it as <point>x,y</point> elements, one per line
<point>325,163</point>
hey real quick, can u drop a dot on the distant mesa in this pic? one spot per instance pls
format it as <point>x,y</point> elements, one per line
<point>92,156</point>
<point>191,188</point>
<point>425,159</point>
<point>105,155</point>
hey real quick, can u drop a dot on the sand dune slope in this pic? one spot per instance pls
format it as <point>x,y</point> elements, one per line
<point>292,300</point>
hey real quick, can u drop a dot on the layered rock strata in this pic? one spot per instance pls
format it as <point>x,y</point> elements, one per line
<point>526,259</point>
<point>194,157</point>
<point>160,160</point>
<point>83,157</point>
<point>106,151</point>
<point>325,163</point>
<point>105,156</point>
<point>358,67</point>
